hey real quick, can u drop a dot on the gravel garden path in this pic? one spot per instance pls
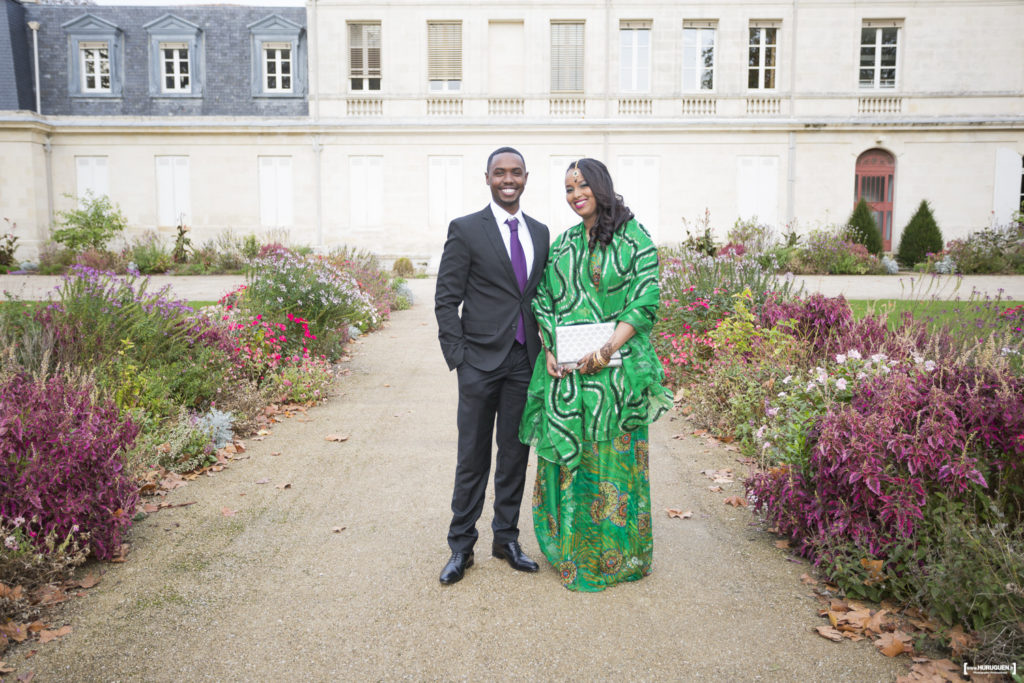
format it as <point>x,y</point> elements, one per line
<point>335,576</point>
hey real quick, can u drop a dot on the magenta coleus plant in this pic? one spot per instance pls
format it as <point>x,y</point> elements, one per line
<point>61,462</point>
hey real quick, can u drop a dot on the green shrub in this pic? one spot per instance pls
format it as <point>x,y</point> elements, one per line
<point>54,259</point>
<point>182,245</point>
<point>402,267</point>
<point>863,228</point>
<point>920,237</point>
<point>149,254</point>
<point>999,249</point>
<point>92,225</point>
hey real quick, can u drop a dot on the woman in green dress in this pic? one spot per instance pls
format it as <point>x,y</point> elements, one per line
<point>588,422</point>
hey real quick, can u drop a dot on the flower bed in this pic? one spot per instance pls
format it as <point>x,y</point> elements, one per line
<point>871,440</point>
<point>111,380</point>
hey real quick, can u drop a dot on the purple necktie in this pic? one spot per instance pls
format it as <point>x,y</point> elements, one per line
<point>515,248</point>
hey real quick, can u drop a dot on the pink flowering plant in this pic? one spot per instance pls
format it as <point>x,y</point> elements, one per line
<point>327,298</point>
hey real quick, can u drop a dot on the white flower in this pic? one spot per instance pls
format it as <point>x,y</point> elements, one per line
<point>787,379</point>
<point>761,431</point>
<point>11,542</point>
<point>841,384</point>
<point>862,375</point>
<point>879,357</point>
<point>885,369</point>
<point>854,354</point>
<point>772,412</point>
<point>918,358</point>
<point>19,520</point>
<point>782,394</point>
<point>929,366</point>
<point>810,386</point>
<point>840,358</point>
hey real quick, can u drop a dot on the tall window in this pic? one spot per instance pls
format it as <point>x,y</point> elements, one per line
<point>635,56</point>
<point>277,67</point>
<point>366,191</point>
<point>757,185</point>
<point>173,196</point>
<point>699,56</point>
<point>762,56</point>
<point>444,55</point>
<point>364,56</point>
<point>567,56</point>
<point>875,176</point>
<point>445,186</point>
<point>92,177</point>
<point>94,66</point>
<point>879,50</point>
<point>275,191</point>
<point>174,69</point>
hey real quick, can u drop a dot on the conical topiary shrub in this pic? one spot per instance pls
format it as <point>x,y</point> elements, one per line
<point>866,231</point>
<point>920,238</point>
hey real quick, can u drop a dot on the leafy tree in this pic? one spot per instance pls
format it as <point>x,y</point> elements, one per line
<point>920,238</point>
<point>864,228</point>
<point>91,225</point>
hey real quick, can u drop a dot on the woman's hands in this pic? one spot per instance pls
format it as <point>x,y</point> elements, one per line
<point>593,362</point>
<point>554,369</point>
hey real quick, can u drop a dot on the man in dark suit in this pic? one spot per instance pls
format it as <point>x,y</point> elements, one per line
<point>492,262</point>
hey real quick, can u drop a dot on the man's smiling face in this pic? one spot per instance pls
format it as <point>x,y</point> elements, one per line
<point>507,178</point>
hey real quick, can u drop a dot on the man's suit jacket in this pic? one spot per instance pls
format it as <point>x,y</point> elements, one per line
<point>476,272</point>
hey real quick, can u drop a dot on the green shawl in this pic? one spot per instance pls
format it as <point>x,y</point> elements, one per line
<point>561,414</point>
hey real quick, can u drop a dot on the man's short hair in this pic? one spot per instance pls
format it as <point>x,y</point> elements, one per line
<point>505,150</point>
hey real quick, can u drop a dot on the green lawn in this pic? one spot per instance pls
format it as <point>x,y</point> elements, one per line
<point>939,312</point>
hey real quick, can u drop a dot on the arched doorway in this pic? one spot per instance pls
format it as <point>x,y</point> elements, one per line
<point>876,170</point>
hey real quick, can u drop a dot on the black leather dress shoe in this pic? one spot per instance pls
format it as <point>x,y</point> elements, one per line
<point>517,559</point>
<point>456,568</point>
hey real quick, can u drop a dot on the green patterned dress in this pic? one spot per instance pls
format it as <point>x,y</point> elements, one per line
<point>592,500</point>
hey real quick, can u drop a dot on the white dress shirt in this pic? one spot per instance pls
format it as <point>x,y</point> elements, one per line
<point>500,216</point>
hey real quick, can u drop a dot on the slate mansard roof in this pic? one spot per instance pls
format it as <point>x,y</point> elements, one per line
<point>225,40</point>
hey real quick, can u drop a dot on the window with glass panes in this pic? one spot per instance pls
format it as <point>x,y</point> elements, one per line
<point>364,56</point>
<point>879,52</point>
<point>174,71</point>
<point>277,67</point>
<point>762,57</point>
<point>635,57</point>
<point>94,66</point>
<point>699,56</point>
<point>444,56</point>
<point>567,56</point>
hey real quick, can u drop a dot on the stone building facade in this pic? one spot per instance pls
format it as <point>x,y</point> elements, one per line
<point>782,112</point>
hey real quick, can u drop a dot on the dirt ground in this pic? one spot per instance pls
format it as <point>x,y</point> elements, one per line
<point>271,592</point>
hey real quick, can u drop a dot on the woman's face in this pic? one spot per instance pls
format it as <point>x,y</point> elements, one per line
<point>580,197</point>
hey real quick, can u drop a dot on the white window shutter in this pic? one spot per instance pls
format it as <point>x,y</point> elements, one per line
<point>437,186</point>
<point>268,192</point>
<point>1006,185</point>
<point>284,191</point>
<point>638,182</point>
<point>374,190</point>
<point>164,192</point>
<point>357,189</point>
<point>746,187</point>
<point>182,192</point>
<point>768,186</point>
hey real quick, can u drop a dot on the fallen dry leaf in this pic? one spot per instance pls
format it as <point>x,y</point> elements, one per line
<point>14,631</point>
<point>264,480</point>
<point>892,644</point>
<point>240,446</point>
<point>877,622</point>
<point>47,636</point>
<point>679,514</point>
<point>715,489</point>
<point>228,512</point>
<point>283,486</point>
<point>4,669</point>
<point>783,545</point>
<point>874,568</point>
<point>337,529</point>
<point>336,437</point>
<point>275,453</point>
<point>36,626</point>
<point>28,675</point>
<point>735,501</point>
<point>10,593</point>
<point>808,579</point>
<point>830,633</point>
<point>88,581</point>
<point>933,671</point>
<point>960,642</point>
<point>263,432</point>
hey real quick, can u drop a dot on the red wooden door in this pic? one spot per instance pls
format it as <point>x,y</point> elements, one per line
<point>876,170</point>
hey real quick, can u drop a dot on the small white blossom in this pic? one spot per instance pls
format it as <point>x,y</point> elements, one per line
<point>862,375</point>
<point>885,369</point>
<point>879,357</point>
<point>841,384</point>
<point>19,520</point>
<point>854,354</point>
<point>840,358</point>
<point>782,394</point>
<point>929,366</point>
<point>772,412</point>
<point>787,379</point>
<point>810,386</point>
<point>11,542</point>
<point>918,358</point>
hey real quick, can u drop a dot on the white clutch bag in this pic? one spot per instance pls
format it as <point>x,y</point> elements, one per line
<point>575,341</point>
